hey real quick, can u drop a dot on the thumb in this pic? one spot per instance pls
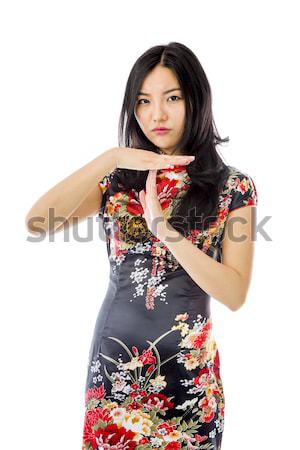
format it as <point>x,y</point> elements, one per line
<point>142,199</point>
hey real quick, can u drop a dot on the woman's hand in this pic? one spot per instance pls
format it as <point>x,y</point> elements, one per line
<point>153,212</point>
<point>138,159</point>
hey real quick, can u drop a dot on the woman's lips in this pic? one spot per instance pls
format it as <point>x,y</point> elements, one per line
<point>159,132</point>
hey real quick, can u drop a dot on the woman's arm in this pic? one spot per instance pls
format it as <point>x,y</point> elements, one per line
<point>65,198</point>
<point>228,281</point>
<point>78,195</point>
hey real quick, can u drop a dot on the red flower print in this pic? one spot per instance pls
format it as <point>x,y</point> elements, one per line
<point>208,408</point>
<point>166,184</point>
<point>168,426</point>
<point>198,380</point>
<point>200,438</point>
<point>240,186</point>
<point>174,445</point>
<point>134,406</point>
<point>177,168</point>
<point>92,417</point>
<point>133,394</point>
<point>135,350</point>
<point>96,393</point>
<point>150,369</point>
<point>114,436</point>
<point>166,189</point>
<point>250,201</point>
<point>216,367</point>
<point>158,400</point>
<point>205,370</point>
<point>199,341</point>
<point>134,208</point>
<point>223,213</point>
<point>207,326</point>
<point>137,392</point>
<point>165,204</point>
<point>147,357</point>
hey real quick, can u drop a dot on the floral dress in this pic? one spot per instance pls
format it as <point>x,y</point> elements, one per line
<point>153,376</point>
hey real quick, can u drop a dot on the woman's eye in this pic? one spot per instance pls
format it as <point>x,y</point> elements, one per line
<point>145,99</point>
<point>138,101</point>
<point>172,96</point>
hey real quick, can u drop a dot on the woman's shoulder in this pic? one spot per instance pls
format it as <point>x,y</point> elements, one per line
<point>236,175</point>
<point>105,182</point>
<point>240,188</point>
<point>234,171</point>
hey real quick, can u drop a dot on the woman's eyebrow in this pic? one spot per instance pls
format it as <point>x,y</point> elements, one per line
<point>166,92</point>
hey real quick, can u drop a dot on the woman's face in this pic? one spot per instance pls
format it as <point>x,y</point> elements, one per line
<point>156,108</point>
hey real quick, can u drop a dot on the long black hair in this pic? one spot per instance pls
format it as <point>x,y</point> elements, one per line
<point>200,137</point>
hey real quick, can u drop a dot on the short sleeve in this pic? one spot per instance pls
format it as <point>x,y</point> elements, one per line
<point>103,185</point>
<point>106,181</point>
<point>243,192</point>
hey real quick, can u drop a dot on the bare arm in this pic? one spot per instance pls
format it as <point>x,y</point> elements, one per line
<point>227,282</point>
<point>69,195</point>
<point>79,196</point>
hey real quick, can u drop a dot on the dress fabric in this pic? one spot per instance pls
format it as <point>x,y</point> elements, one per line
<point>153,375</point>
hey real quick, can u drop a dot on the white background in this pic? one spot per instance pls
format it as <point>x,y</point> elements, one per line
<point>64,66</point>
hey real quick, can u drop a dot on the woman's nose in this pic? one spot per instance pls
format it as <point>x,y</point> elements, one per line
<point>158,113</point>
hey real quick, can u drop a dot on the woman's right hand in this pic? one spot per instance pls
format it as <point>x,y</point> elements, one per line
<point>139,159</point>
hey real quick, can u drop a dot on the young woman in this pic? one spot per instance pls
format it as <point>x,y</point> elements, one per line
<point>178,223</point>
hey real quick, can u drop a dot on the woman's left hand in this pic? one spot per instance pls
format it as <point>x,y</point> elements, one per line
<point>153,212</point>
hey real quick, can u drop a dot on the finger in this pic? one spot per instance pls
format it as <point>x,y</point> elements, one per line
<point>149,180</point>
<point>168,161</point>
<point>142,199</point>
<point>152,175</point>
<point>152,181</point>
<point>143,206</point>
<point>176,158</point>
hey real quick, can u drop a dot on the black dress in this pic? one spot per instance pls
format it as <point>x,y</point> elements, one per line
<point>153,378</point>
